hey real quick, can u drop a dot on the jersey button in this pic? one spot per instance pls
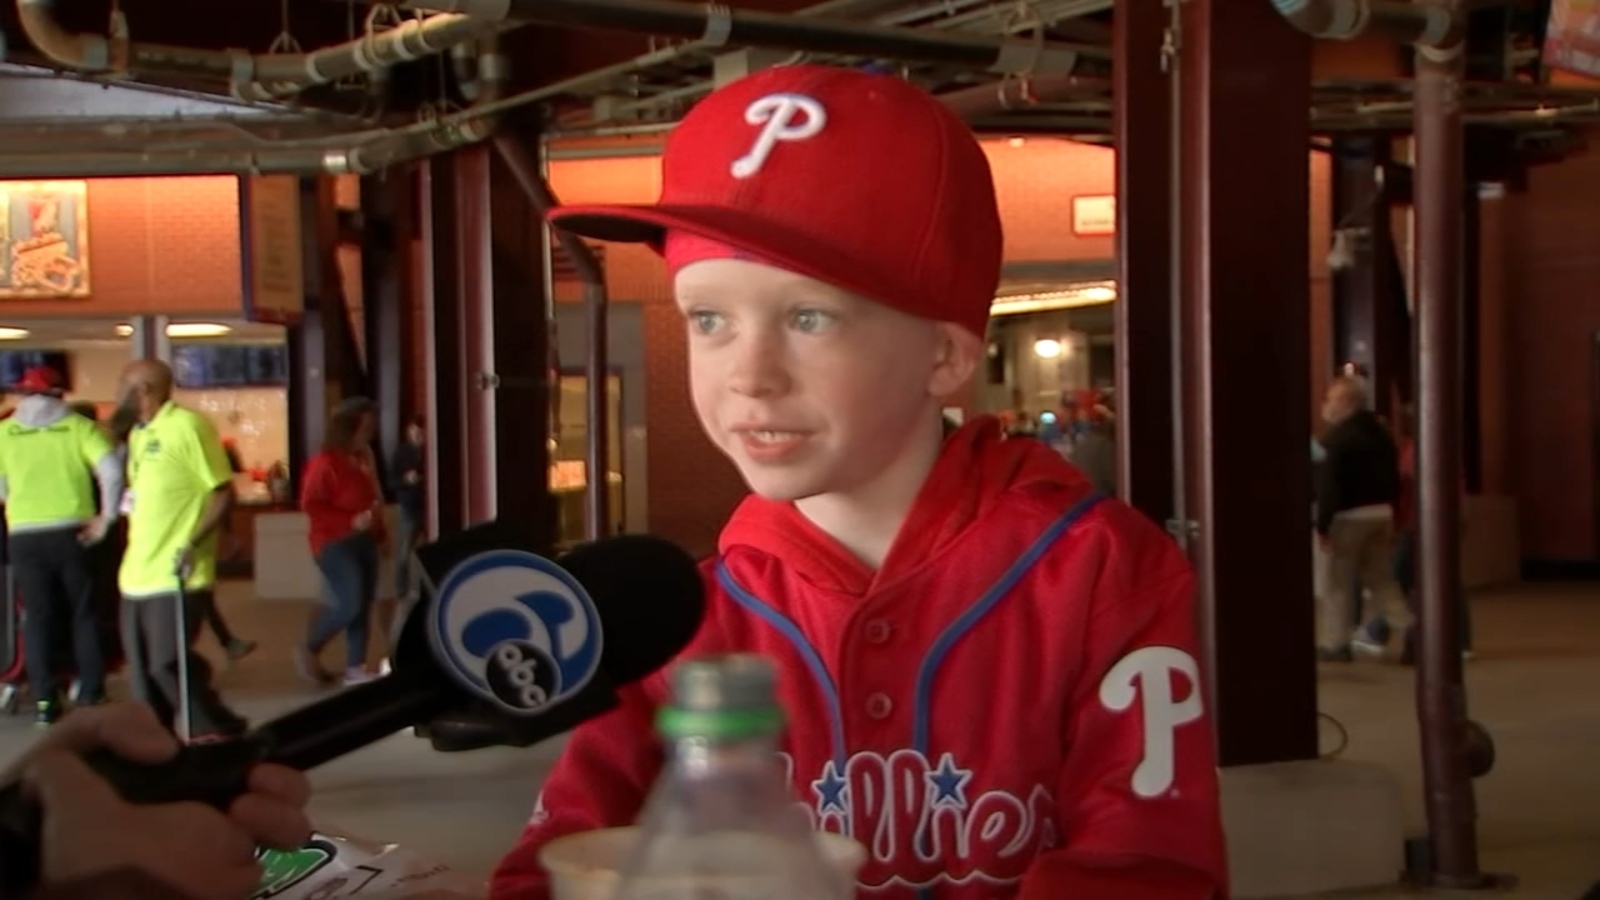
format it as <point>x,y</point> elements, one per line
<point>878,631</point>
<point>879,706</point>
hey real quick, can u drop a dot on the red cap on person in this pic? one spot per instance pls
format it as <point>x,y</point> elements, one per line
<point>862,181</point>
<point>39,380</point>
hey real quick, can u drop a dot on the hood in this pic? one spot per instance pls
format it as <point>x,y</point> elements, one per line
<point>977,470</point>
<point>39,411</point>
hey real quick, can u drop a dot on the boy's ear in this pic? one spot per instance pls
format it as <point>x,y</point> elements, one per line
<point>959,353</point>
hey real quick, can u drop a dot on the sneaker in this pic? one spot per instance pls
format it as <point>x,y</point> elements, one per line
<point>238,649</point>
<point>357,675</point>
<point>383,667</point>
<point>46,713</point>
<point>1333,654</point>
<point>306,664</point>
<point>1367,648</point>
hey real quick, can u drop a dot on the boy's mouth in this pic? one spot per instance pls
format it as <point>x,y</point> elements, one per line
<point>768,436</point>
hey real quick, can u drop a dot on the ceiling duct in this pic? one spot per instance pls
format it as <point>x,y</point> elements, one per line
<point>251,76</point>
<point>716,24</point>
<point>1425,25</point>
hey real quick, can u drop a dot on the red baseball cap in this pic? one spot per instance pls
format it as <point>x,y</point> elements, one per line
<point>862,181</point>
<point>39,380</point>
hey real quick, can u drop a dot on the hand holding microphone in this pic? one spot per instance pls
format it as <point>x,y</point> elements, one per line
<point>509,648</point>
<point>89,833</point>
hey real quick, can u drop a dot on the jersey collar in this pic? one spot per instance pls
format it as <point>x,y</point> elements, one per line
<point>161,413</point>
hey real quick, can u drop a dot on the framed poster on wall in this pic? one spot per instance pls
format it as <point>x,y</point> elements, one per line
<point>1094,215</point>
<point>44,239</point>
<point>269,225</point>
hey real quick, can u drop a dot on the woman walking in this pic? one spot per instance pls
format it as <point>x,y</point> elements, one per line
<point>341,497</point>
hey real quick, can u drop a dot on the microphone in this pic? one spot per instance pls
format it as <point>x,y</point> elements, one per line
<point>531,647</point>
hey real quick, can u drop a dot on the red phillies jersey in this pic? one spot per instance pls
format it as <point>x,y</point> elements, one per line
<point>1009,707</point>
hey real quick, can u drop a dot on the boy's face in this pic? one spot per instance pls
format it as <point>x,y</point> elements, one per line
<point>808,389</point>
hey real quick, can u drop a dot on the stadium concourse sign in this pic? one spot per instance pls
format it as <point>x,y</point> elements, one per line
<point>273,280</point>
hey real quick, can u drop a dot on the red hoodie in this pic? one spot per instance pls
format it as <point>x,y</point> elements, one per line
<point>336,488</point>
<point>1008,708</point>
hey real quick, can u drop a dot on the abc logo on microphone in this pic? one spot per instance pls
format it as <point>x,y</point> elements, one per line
<point>515,629</point>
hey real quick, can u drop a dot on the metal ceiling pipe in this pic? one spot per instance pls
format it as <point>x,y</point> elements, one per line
<point>717,24</point>
<point>1425,25</point>
<point>253,76</point>
<point>1020,93</point>
<point>358,158</point>
<point>274,74</point>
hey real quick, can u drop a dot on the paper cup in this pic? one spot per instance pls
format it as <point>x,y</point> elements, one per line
<point>587,866</point>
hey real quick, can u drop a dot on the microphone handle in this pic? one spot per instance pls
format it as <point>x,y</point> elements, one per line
<point>217,774</point>
<point>355,717</point>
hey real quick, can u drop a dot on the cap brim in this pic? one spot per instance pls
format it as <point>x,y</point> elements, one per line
<point>740,229</point>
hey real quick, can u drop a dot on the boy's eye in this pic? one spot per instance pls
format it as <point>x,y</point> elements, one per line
<point>703,322</point>
<point>812,320</point>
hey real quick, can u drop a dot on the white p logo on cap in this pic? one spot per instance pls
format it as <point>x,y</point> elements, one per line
<point>782,117</point>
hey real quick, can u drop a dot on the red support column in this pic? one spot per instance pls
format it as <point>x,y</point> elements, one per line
<point>445,383</point>
<point>474,247</point>
<point>1246,76</point>
<point>521,350</point>
<point>1146,449</point>
<point>1369,320</point>
<point>388,221</point>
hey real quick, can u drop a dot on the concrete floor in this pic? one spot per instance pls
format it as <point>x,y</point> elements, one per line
<point>1534,684</point>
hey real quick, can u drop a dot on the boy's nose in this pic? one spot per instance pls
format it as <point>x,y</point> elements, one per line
<point>758,369</point>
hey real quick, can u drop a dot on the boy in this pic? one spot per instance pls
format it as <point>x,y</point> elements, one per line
<point>987,669</point>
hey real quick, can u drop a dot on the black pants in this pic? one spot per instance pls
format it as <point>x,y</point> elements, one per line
<point>150,640</point>
<point>56,576</point>
<point>217,624</point>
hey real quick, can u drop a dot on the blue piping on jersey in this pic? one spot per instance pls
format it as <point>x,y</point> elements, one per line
<point>958,629</point>
<point>936,654</point>
<point>813,660</point>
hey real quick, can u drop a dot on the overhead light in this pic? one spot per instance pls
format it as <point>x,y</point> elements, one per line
<point>184,329</point>
<point>13,334</point>
<point>1091,294</point>
<point>1048,348</point>
<point>197,329</point>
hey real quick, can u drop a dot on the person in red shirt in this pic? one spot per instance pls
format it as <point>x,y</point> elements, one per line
<point>988,669</point>
<point>340,495</point>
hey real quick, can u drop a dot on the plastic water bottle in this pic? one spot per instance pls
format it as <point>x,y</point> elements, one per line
<point>720,823</point>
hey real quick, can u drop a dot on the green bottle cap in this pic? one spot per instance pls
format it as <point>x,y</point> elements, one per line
<point>722,698</point>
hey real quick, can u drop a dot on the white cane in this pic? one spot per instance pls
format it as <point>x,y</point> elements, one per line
<point>185,716</point>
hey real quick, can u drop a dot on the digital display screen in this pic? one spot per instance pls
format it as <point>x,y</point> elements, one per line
<point>200,366</point>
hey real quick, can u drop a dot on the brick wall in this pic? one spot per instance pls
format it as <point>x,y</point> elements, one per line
<point>157,245</point>
<point>1552,316</point>
<point>1035,181</point>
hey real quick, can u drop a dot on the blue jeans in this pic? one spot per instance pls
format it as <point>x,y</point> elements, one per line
<point>350,568</point>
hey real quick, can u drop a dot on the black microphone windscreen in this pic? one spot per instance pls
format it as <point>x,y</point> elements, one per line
<point>650,596</point>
